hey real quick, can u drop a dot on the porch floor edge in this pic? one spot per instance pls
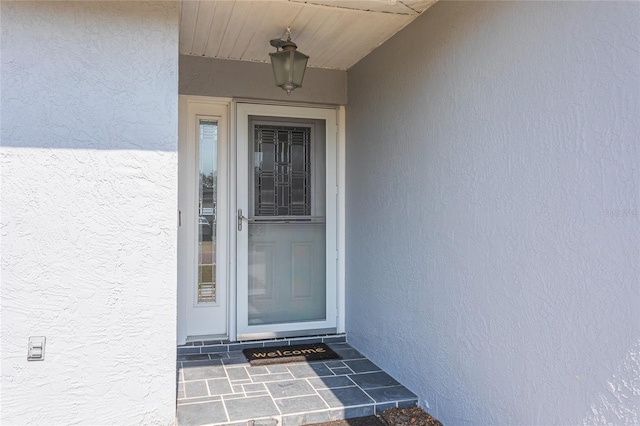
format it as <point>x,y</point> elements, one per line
<point>216,346</point>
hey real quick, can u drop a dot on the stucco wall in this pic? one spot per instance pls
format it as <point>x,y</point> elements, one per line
<point>493,226</point>
<point>242,79</point>
<point>88,225</point>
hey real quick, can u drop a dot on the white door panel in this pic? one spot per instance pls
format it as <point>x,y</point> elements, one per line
<point>286,273</point>
<point>204,225</point>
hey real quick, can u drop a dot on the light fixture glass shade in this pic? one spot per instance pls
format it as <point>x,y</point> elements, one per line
<point>288,68</point>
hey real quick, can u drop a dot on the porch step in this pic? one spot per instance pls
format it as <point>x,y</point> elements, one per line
<point>216,346</point>
<point>225,390</point>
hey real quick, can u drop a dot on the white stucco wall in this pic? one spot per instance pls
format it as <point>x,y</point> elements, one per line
<point>493,225</point>
<point>88,225</point>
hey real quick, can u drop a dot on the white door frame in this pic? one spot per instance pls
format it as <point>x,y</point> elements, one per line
<point>335,288</point>
<point>229,198</point>
<point>192,316</point>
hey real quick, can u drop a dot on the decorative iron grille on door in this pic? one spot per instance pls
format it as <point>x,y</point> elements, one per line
<point>282,171</point>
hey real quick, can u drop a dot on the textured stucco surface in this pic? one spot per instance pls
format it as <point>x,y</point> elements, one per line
<point>242,79</point>
<point>88,225</point>
<point>493,226</point>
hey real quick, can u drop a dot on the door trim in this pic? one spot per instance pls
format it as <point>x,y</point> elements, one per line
<point>334,212</point>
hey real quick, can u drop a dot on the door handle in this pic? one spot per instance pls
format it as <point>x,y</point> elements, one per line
<point>240,219</point>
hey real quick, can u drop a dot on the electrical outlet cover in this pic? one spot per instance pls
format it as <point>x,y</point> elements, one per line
<point>36,348</point>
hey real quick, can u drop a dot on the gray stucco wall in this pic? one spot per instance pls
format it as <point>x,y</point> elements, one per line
<point>253,80</point>
<point>493,227</point>
<point>88,222</point>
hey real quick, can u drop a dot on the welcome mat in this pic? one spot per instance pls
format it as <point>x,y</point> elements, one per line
<point>293,353</point>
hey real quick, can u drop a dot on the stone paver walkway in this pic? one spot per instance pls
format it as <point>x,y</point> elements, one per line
<point>222,389</point>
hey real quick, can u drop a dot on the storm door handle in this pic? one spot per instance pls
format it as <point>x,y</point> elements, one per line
<point>240,219</point>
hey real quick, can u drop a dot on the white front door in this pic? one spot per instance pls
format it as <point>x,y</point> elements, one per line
<point>203,232</point>
<point>286,220</point>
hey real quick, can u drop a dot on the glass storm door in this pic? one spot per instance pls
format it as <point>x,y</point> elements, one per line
<point>286,262</point>
<point>202,241</point>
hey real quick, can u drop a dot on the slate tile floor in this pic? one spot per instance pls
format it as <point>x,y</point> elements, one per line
<point>223,389</point>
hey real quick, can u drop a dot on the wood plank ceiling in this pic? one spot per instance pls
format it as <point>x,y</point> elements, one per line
<point>335,34</point>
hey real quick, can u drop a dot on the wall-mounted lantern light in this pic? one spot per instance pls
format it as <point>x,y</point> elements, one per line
<point>288,64</point>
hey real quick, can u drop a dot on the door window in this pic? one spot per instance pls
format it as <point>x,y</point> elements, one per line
<point>207,201</point>
<point>287,273</point>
